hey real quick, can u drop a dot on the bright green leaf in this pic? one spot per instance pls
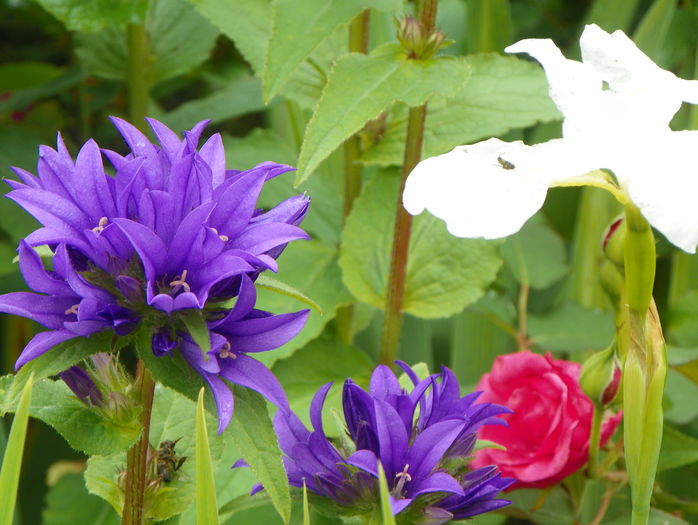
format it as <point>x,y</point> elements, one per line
<point>288,47</point>
<point>654,26</point>
<point>12,459</point>
<point>23,75</point>
<point>572,328</point>
<point>93,15</point>
<point>198,329</point>
<point>206,507</point>
<point>444,273</point>
<point>387,517</point>
<point>488,25</point>
<point>535,255</point>
<point>361,86</point>
<point>265,282</point>
<point>254,436</point>
<point>306,510</point>
<point>501,94</point>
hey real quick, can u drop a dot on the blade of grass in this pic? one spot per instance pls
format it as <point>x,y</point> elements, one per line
<point>12,460</point>
<point>387,517</point>
<point>206,507</point>
<point>306,510</point>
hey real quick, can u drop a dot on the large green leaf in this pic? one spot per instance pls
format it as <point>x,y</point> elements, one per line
<point>444,273</point>
<point>361,86</point>
<point>535,255</point>
<point>571,328</point>
<point>180,39</point>
<point>321,361</point>
<point>84,428</point>
<point>288,47</point>
<point>173,418</point>
<point>254,436</point>
<point>68,503</point>
<point>488,25</point>
<point>93,15</point>
<point>502,93</point>
<point>678,449</point>
<point>311,267</point>
<point>60,358</point>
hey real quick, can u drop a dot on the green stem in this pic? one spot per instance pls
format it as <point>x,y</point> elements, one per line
<point>595,442</point>
<point>522,334</point>
<point>358,42</point>
<point>392,319</point>
<point>137,456</point>
<point>138,74</point>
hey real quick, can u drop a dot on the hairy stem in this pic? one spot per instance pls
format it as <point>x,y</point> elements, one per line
<point>358,42</point>
<point>136,457</point>
<point>138,74</point>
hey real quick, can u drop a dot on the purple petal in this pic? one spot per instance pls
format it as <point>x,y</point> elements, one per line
<point>190,227</point>
<point>247,296</point>
<point>436,482</point>
<point>265,333</point>
<point>316,407</point>
<point>170,142</point>
<point>42,343</point>
<point>237,204</point>
<point>90,189</point>
<point>36,277</point>
<point>290,211</point>
<point>149,246</point>
<point>384,383</point>
<point>47,310</point>
<point>365,460</point>
<point>223,397</point>
<point>245,371</point>
<point>139,143</point>
<point>289,430</point>
<point>82,385</point>
<point>64,267</point>
<point>430,446</point>
<point>26,177</point>
<point>53,211</point>
<point>392,438</point>
<point>398,505</point>
<point>213,154</point>
<point>217,270</point>
<point>261,238</point>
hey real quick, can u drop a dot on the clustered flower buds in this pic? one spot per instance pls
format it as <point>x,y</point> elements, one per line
<point>418,43</point>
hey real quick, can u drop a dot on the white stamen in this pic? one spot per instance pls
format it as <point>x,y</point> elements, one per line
<point>72,310</point>
<point>181,281</point>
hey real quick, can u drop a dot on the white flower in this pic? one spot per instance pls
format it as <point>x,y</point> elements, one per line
<point>617,105</point>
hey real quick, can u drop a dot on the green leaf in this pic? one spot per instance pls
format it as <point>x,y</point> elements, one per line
<point>247,23</point>
<point>387,517</point>
<point>488,25</point>
<point>653,28</point>
<point>535,255</point>
<point>501,94</point>
<point>60,358</point>
<point>68,503</point>
<point>611,15</point>
<point>444,273</point>
<point>12,459</point>
<point>254,436</point>
<point>552,508</point>
<point>240,97</point>
<point>93,15</point>
<point>198,329</point>
<point>206,507</point>
<point>571,328</point>
<point>173,418</point>
<point>361,86</point>
<point>310,266</point>
<point>678,449</point>
<point>288,47</point>
<point>321,361</point>
<point>15,76</point>
<point>306,510</point>
<point>266,282</point>
<point>679,397</point>
<point>24,97</point>
<point>84,428</point>
<point>180,39</point>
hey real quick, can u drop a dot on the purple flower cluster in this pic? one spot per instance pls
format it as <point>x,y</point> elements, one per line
<point>171,236</point>
<point>423,439</point>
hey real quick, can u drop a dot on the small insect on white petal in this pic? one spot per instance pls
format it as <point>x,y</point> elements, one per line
<point>505,164</point>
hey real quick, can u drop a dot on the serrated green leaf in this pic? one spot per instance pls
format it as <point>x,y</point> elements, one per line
<point>288,47</point>
<point>444,273</point>
<point>247,23</point>
<point>501,94</point>
<point>321,361</point>
<point>253,434</point>
<point>196,325</point>
<point>387,517</point>
<point>241,96</point>
<point>571,328</point>
<point>179,38</point>
<point>12,458</point>
<point>206,506</point>
<point>68,503</point>
<point>535,255</point>
<point>173,418</point>
<point>265,282</point>
<point>310,266</point>
<point>93,15</point>
<point>361,86</point>
<point>84,428</point>
<point>60,358</point>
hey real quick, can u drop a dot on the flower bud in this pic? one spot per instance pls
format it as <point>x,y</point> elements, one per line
<point>613,243</point>
<point>600,376</point>
<point>418,44</point>
<point>82,385</point>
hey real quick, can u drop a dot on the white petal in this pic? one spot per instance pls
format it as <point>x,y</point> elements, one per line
<point>479,196</point>
<point>664,185</point>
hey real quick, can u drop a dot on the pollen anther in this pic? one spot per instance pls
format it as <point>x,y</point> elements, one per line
<point>225,351</point>
<point>101,225</point>
<point>72,310</point>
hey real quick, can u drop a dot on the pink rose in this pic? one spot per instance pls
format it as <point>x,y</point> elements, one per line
<point>548,434</point>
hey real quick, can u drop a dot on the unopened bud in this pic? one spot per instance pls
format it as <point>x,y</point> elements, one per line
<point>82,385</point>
<point>600,376</point>
<point>613,243</point>
<point>417,43</point>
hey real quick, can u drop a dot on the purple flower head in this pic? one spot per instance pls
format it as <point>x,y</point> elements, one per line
<point>424,453</point>
<point>169,241</point>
